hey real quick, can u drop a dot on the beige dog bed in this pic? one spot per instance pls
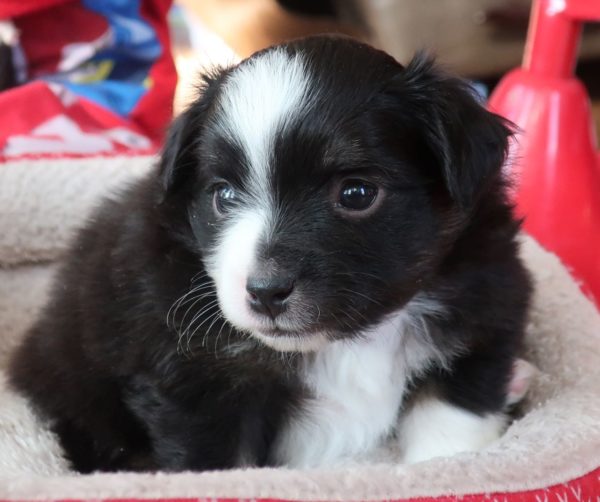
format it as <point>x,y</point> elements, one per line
<point>551,453</point>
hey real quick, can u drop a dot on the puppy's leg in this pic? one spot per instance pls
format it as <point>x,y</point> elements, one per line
<point>80,405</point>
<point>436,425</point>
<point>200,427</point>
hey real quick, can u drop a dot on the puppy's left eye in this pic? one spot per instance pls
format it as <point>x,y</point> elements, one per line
<point>357,195</point>
<point>223,198</point>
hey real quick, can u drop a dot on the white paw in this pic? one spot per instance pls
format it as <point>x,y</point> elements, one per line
<point>433,428</point>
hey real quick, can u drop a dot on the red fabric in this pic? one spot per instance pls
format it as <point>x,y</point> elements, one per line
<point>14,8</point>
<point>37,115</point>
<point>40,116</point>
<point>155,109</point>
<point>44,32</point>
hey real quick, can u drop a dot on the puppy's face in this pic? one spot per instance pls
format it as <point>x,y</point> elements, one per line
<point>322,187</point>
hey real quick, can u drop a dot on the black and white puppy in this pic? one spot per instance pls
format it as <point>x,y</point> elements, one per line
<point>324,258</point>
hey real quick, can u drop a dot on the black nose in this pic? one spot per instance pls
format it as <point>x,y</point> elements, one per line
<point>268,295</point>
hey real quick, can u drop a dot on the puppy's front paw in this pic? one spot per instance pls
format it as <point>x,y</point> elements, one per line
<point>434,428</point>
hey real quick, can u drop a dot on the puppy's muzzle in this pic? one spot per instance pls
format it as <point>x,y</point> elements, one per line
<point>268,295</point>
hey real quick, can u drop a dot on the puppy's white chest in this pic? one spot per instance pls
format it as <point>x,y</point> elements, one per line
<point>357,388</point>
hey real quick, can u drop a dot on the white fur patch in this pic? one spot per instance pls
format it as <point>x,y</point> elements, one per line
<point>233,260</point>
<point>259,99</point>
<point>357,389</point>
<point>434,428</point>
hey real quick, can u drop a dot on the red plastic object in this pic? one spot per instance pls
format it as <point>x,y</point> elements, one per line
<point>555,163</point>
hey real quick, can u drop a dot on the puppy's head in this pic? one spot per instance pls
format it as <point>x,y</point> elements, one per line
<point>322,183</point>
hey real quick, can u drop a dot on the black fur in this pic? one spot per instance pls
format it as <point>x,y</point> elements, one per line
<point>105,363</point>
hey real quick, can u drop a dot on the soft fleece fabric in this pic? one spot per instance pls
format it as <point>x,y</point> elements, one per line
<point>557,439</point>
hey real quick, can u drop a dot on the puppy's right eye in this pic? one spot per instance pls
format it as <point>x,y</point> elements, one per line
<point>223,198</point>
<point>357,195</point>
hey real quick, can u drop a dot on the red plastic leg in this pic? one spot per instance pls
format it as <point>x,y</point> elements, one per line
<point>555,163</point>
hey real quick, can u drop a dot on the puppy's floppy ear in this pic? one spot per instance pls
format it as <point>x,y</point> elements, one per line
<point>177,153</point>
<point>178,159</point>
<point>468,142</point>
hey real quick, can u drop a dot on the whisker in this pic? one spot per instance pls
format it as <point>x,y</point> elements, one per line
<point>343,322</point>
<point>200,313</point>
<point>229,336</point>
<point>217,312</point>
<point>352,319</point>
<point>215,317</point>
<point>211,325</point>
<point>195,300</point>
<point>180,301</point>
<point>199,275</point>
<point>360,314</point>
<point>191,335</point>
<point>362,295</point>
<point>206,308</point>
<point>358,272</point>
<point>219,334</point>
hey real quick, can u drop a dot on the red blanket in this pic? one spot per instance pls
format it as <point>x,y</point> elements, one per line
<point>94,77</point>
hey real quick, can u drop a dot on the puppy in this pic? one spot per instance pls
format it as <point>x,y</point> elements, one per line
<point>324,258</point>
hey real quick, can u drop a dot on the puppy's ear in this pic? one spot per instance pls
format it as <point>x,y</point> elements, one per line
<point>468,143</point>
<point>179,155</point>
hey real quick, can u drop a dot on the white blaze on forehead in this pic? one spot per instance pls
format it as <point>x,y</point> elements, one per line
<point>259,99</point>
